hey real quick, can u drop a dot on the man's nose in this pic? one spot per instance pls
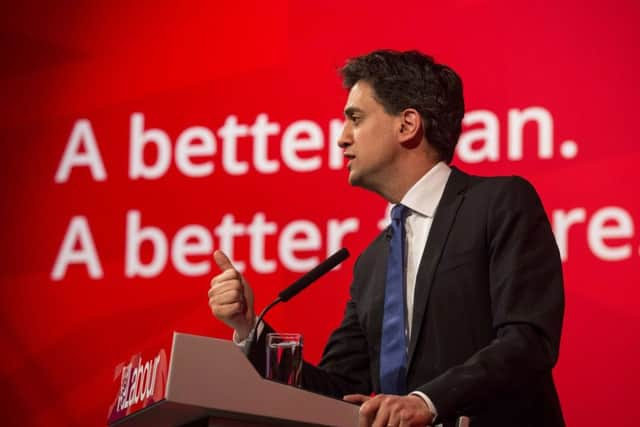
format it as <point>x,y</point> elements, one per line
<point>346,137</point>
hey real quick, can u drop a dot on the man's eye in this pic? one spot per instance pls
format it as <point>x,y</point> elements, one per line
<point>355,119</point>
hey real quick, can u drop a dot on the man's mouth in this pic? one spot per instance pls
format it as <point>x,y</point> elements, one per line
<point>349,158</point>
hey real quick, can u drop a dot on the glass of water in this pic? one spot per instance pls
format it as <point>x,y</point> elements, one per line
<point>284,358</point>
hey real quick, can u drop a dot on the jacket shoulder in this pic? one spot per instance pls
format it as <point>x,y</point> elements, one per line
<point>511,188</point>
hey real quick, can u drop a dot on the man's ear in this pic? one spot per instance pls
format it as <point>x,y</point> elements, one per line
<point>410,126</point>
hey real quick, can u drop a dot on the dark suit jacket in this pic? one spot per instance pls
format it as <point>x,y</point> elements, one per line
<point>487,315</point>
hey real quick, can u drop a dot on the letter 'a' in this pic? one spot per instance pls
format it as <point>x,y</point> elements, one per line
<point>81,137</point>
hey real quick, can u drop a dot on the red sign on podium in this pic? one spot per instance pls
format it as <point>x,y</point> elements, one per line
<point>142,382</point>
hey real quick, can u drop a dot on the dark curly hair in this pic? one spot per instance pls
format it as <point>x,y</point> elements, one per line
<point>411,79</point>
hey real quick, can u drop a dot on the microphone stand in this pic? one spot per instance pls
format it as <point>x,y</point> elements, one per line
<point>252,334</point>
<point>318,271</point>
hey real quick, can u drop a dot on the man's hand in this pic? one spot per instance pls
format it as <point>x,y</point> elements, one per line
<point>231,297</point>
<point>386,410</point>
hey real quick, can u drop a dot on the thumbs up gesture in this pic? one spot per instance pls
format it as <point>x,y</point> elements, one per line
<point>231,297</point>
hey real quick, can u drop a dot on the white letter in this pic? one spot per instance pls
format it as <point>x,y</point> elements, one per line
<point>488,133</point>
<point>336,155</point>
<point>133,397</point>
<point>181,248</point>
<point>186,149</point>
<point>139,139</point>
<point>562,221</point>
<point>148,388</point>
<point>598,230</point>
<point>336,230</point>
<point>257,230</point>
<point>288,243</point>
<point>227,230</point>
<point>135,237</point>
<point>293,141</point>
<point>78,231</point>
<point>144,379</point>
<point>151,387</point>
<point>517,121</point>
<point>260,131</point>
<point>124,387</point>
<point>81,133</point>
<point>136,395</point>
<point>229,134</point>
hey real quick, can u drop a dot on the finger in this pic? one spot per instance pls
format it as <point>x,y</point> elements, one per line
<point>368,411</point>
<point>226,286</point>
<point>356,398</point>
<point>394,417</point>
<point>222,260</point>
<point>382,416</point>
<point>228,310</point>
<point>227,296</point>
<point>228,274</point>
<point>363,420</point>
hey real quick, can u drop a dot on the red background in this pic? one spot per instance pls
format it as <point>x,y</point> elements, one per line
<point>198,63</point>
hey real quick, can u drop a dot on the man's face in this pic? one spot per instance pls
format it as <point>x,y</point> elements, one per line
<point>369,139</point>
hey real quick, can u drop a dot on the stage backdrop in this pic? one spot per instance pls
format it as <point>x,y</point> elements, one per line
<point>137,137</point>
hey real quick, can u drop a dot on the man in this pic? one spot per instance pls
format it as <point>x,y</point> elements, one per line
<point>455,309</point>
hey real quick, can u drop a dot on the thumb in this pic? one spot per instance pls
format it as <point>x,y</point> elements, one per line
<point>224,263</point>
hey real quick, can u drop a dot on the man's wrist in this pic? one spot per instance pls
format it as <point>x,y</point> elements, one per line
<point>240,338</point>
<point>427,402</point>
<point>241,335</point>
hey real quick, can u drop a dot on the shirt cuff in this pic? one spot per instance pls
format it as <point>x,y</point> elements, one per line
<point>241,343</point>
<point>429,403</point>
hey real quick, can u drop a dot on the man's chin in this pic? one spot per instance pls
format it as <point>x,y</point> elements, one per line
<point>356,180</point>
<point>365,182</point>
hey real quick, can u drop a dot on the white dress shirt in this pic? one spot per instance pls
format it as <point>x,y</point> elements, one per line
<point>422,200</point>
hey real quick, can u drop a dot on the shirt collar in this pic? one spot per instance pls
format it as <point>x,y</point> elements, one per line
<point>424,196</point>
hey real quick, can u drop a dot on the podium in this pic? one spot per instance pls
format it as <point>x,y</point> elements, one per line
<point>211,383</point>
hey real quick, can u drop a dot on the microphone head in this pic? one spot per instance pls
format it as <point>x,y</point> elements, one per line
<point>313,275</point>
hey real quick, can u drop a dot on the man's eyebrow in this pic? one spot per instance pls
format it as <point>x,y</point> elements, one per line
<point>350,111</point>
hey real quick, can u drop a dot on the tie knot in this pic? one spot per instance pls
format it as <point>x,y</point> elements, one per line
<point>398,212</point>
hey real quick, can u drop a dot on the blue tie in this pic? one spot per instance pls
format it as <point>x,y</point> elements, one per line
<point>393,345</point>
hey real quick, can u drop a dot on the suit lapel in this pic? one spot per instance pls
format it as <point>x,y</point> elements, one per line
<point>378,276</point>
<point>442,222</point>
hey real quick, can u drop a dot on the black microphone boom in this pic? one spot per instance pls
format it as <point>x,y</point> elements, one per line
<point>300,284</point>
<point>318,271</point>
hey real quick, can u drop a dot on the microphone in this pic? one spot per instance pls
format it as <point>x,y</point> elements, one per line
<point>298,286</point>
<point>317,272</point>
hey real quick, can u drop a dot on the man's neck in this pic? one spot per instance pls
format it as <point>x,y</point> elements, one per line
<point>405,178</point>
